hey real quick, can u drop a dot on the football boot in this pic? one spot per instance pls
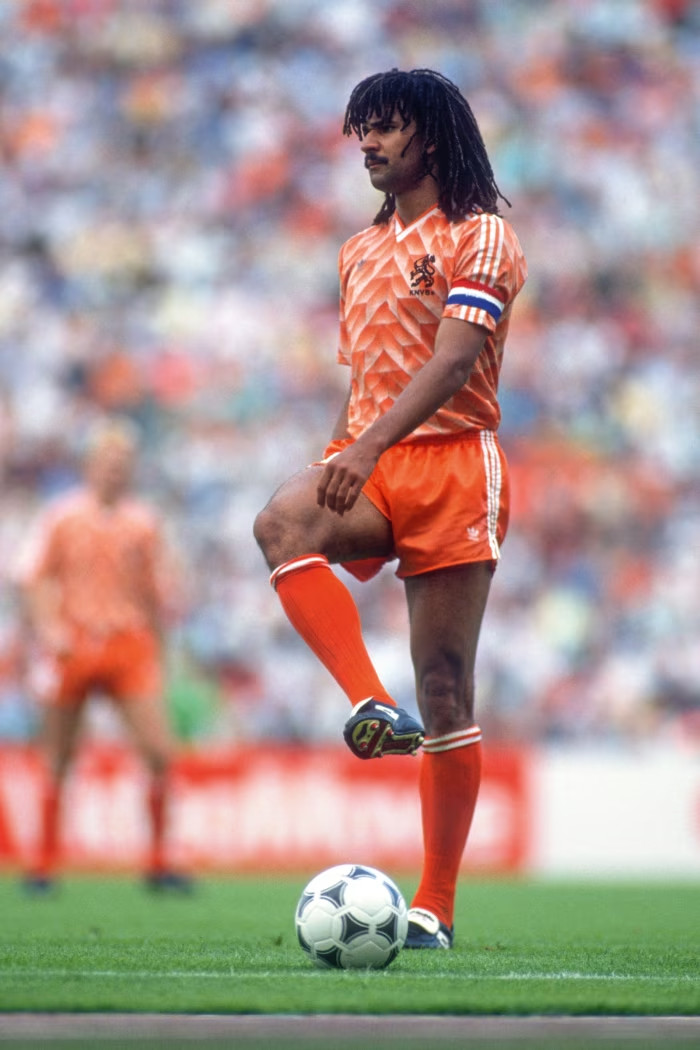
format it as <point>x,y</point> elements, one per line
<point>426,931</point>
<point>36,884</point>
<point>375,729</point>
<point>164,881</point>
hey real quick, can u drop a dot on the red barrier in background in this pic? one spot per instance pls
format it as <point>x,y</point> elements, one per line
<point>260,809</point>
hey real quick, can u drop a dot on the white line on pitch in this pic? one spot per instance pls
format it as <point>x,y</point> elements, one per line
<point>253,974</point>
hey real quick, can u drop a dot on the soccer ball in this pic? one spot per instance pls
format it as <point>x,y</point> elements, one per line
<point>352,916</point>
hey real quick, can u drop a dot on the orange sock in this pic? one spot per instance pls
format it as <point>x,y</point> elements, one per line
<point>323,612</point>
<point>48,829</point>
<point>449,780</point>
<point>156,812</point>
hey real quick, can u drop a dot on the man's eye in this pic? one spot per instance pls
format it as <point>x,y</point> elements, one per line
<point>365,129</point>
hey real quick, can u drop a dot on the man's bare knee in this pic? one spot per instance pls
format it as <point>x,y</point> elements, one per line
<point>446,696</point>
<point>284,527</point>
<point>279,536</point>
<point>59,767</point>
<point>158,764</point>
<point>266,529</point>
<point>157,757</point>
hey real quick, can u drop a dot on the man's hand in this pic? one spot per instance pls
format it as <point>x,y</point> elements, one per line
<point>457,346</point>
<point>344,476</point>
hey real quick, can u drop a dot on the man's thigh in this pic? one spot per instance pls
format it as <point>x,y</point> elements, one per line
<point>149,725</point>
<point>63,679</point>
<point>296,525</point>
<point>447,498</point>
<point>132,665</point>
<point>59,734</point>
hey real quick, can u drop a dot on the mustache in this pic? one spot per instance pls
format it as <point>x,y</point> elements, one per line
<point>372,158</point>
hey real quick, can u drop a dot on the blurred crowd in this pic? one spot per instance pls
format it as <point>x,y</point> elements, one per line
<point>174,188</point>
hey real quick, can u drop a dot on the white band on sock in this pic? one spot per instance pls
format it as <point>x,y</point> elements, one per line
<point>295,564</point>
<point>450,741</point>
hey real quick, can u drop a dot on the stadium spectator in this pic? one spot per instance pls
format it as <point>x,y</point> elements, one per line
<point>169,171</point>
<point>99,586</point>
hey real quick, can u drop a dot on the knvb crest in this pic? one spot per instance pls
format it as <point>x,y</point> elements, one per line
<point>423,276</point>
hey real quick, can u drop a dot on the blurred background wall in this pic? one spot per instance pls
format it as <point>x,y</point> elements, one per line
<point>174,188</point>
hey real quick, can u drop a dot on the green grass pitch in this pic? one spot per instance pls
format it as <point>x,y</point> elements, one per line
<point>522,947</point>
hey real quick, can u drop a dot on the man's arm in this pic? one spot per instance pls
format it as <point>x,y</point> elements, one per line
<point>457,346</point>
<point>41,600</point>
<point>165,586</point>
<point>340,430</point>
<point>38,585</point>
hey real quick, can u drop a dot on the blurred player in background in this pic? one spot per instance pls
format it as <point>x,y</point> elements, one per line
<point>98,586</point>
<point>415,470</point>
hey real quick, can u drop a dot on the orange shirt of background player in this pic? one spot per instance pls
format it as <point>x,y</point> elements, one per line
<point>106,563</point>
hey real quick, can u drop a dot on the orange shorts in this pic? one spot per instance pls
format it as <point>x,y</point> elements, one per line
<point>123,666</point>
<point>447,499</point>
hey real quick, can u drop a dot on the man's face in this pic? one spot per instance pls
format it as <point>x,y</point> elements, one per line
<point>110,467</point>
<point>393,153</point>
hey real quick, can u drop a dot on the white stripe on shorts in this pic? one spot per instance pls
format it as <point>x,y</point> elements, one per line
<point>494,479</point>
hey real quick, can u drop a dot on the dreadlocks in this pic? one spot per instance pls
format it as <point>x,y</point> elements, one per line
<point>445,121</point>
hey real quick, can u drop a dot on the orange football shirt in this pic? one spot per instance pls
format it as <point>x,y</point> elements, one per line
<point>397,282</point>
<point>108,564</point>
